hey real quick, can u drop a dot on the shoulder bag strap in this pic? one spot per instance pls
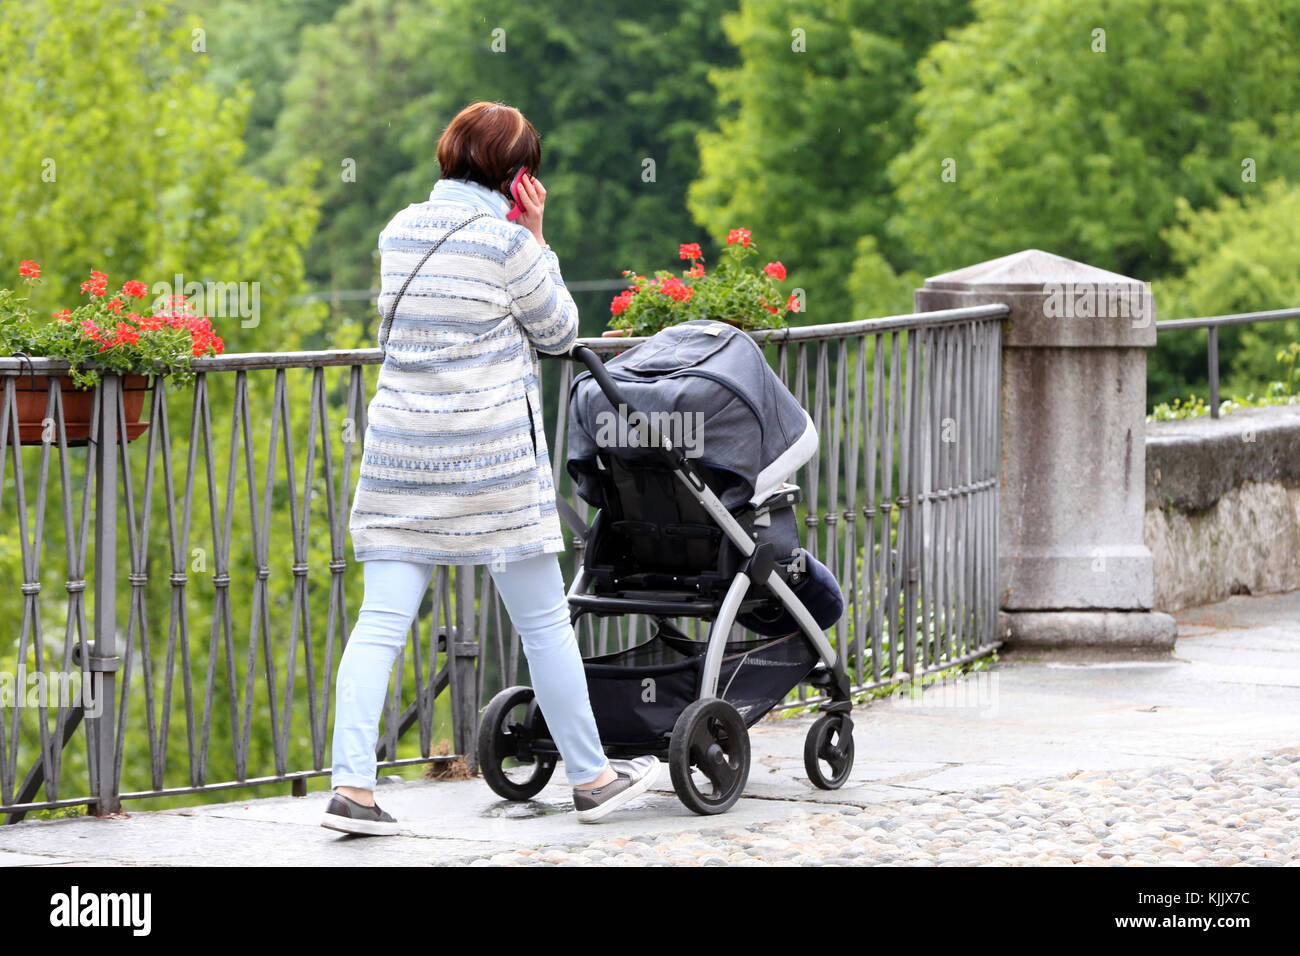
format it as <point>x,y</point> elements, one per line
<point>388,319</point>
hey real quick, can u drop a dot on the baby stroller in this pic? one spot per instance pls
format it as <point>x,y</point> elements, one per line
<point>684,443</point>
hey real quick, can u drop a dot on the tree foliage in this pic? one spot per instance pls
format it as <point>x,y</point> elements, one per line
<point>119,156</point>
<point>612,87</point>
<point>820,102</point>
<point>1236,256</point>
<point>1062,145</point>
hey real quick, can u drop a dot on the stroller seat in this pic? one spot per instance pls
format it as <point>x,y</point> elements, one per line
<point>651,531</point>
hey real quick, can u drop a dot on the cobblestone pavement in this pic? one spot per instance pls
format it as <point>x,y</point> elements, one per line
<point>1209,813</point>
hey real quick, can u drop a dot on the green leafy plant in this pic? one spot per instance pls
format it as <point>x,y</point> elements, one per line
<point>13,308</point>
<point>1196,407</point>
<point>103,334</point>
<point>734,292</point>
<point>1287,358</point>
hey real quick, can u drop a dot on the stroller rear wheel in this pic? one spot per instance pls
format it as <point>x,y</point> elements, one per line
<point>709,738</point>
<point>828,751</point>
<point>505,735</point>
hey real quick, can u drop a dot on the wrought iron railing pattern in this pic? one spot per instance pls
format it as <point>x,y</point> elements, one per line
<point>219,613</point>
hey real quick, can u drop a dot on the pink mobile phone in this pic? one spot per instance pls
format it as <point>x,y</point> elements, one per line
<point>517,209</point>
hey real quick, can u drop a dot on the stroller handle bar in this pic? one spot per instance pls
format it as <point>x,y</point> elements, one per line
<point>624,408</point>
<point>580,353</point>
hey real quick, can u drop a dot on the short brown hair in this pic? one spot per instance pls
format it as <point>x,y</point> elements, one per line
<point>485,142</point>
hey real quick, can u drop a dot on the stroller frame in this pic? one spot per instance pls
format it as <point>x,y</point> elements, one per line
<point>759,565</point>
<point>713,738</point>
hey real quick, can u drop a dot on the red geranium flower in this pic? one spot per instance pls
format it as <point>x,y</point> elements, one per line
<point>676,289</point>
<point>738,235</point>
<point>690,250</point>
<point>775,270</point>
<point>135,289</point>
<point>696,270</point>
<point>123,334</point>
<point>204,341</point>
<point>621,301</point>
<point>29,269</point>
<point>793,304</point>
<point>97,284</point>
<point>64,316</point>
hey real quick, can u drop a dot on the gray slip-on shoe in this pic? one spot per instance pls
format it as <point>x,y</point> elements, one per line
<point>347,816</point>
<point>634,778</point>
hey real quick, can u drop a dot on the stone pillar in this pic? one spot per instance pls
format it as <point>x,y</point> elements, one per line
<point>1073,570</point>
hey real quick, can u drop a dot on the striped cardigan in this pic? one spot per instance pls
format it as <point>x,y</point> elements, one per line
<point>455,468</point>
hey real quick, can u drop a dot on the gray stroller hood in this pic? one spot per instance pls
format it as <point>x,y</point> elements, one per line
<point>707,386</point>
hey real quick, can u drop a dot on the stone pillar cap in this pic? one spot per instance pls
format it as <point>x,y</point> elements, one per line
<point>1055,302</point>
<point>1025,271</point>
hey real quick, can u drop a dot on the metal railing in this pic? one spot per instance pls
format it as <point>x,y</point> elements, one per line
<point>219,612</point>
<point>1213,324</point>
<point>371,296</point>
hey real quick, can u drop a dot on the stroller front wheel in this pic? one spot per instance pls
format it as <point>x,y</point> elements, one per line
<point>711,739</point>
<point>829,747</point>
<point>504,738</point>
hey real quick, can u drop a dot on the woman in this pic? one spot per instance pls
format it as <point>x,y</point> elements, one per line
<point>455,467</point>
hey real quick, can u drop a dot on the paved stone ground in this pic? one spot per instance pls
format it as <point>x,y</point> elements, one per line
<point>1189,760</point>
<point>1214,813</point>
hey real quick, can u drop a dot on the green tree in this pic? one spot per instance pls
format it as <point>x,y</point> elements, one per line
<point>1067,139</point>
<point>813,113</point>
<point>1238,256</point>
<point>134,166</point>
<point>253,45</point>
<point>608,85</point>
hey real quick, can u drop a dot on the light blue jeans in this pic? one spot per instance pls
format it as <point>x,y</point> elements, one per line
<point>533,592</point>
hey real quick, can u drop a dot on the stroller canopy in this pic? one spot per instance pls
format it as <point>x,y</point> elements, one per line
<point>707,386</point>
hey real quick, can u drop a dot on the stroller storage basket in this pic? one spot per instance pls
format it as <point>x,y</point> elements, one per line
<point>638,694</point>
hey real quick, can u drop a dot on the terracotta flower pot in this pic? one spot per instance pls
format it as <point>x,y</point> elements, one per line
<point>77,404</point>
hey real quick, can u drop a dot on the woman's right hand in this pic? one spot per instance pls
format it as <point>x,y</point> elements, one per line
<point>532,197</point>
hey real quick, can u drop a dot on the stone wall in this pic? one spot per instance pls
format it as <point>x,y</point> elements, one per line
<point>1223,505</point>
